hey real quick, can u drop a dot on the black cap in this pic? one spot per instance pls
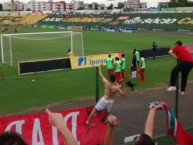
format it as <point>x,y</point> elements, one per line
<point>179,43</point>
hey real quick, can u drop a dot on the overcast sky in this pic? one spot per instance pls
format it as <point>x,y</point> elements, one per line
<point>150,3</point>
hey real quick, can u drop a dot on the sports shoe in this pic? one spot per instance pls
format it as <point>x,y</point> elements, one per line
<point>181,92</point>
<point>171,88</point>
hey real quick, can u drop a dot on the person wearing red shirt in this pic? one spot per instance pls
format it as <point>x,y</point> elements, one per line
<point>184,66</point>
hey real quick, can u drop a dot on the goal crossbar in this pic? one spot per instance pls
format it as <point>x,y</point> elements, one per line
<point>15,46</point>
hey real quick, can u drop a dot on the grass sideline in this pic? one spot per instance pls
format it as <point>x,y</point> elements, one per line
<point>20,92</point>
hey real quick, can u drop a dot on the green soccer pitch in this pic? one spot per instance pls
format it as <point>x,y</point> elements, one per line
<point>24,92</point>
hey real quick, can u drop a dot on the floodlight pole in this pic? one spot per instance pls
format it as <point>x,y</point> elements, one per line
<point>97,84</point>
<point>177,94</point>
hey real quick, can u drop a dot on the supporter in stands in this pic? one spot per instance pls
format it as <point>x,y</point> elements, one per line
<point>141,139</point>
<point>174,127</point>
<point>184,66</point>
<point>56,119</point>
<point>106,102</point>
<point>110,67</point>
<point>11,138</point>
<point>111,123</point>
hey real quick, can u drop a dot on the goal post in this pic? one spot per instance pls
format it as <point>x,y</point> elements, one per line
<point>41,45</point>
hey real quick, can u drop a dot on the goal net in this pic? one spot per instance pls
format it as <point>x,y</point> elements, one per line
<point>38,46</point>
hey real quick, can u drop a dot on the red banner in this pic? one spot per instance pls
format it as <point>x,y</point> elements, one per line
<point>36,130</point>
<point>189,48</point>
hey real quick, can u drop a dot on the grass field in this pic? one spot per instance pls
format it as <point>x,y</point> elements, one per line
<point>20,92</point>
<point>38,46</point>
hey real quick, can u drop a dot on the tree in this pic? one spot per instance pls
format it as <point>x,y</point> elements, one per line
<point>183,3</point>
<point>172,3</point>
<point>128,10</point>
<point>120,5</point>
<point>179,3</point>
<point>110,7</point>
<point>1,7</point>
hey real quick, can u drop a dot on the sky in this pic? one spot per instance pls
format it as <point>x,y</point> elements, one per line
<point>150,3</point>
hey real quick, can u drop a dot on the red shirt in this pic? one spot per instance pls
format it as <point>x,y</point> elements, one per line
<point>182,54</point>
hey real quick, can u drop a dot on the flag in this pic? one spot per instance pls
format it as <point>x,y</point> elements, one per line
<point>175,129</point>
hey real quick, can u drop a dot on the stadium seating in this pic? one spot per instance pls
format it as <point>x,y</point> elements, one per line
<point>145,21</point>
<point>23,19</point>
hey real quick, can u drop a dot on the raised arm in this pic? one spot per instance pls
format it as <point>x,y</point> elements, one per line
<point>101,75</point>
<point>150,122</point>
<point>111,123</point>
<point>149,125</point>
<point>56,120</point>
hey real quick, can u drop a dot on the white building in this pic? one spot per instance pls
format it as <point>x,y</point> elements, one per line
<point>49,5</point>
<point>78,5</point>
<point>94,6</point>
<point>37,6</point>
<point>17,6</point>
<point>58,7</point>
<point>134,4</point>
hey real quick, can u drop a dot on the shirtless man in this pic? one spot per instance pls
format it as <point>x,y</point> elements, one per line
<point>107,100</point>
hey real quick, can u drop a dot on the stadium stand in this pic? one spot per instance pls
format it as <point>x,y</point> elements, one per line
<point>166,21</point>
<point>21,19</point>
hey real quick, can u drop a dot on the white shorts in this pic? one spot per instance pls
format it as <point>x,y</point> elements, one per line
<point>134,74</point>
<point>104,104</point>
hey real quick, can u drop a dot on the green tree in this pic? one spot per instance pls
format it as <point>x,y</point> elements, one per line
<point>110,7</point>
<point>1,7</point>
<point>183,3</point>
<point>172,3</point>
<point>190,4</point>
<point>120,5</point>
<point>179,3</point>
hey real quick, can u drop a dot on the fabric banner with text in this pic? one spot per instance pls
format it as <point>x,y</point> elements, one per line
<point>78,62</point>
<point>36,130</point>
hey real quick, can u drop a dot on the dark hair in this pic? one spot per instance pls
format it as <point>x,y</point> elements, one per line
<point>69,50</point>
<point>144,139</point>
<point>116,58</point>
<point>109,55</point>
<point>179,43</point>
<point>112,78</point>
<point>11,138</point>
<point>134,50</point>
<point>123,55</point>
